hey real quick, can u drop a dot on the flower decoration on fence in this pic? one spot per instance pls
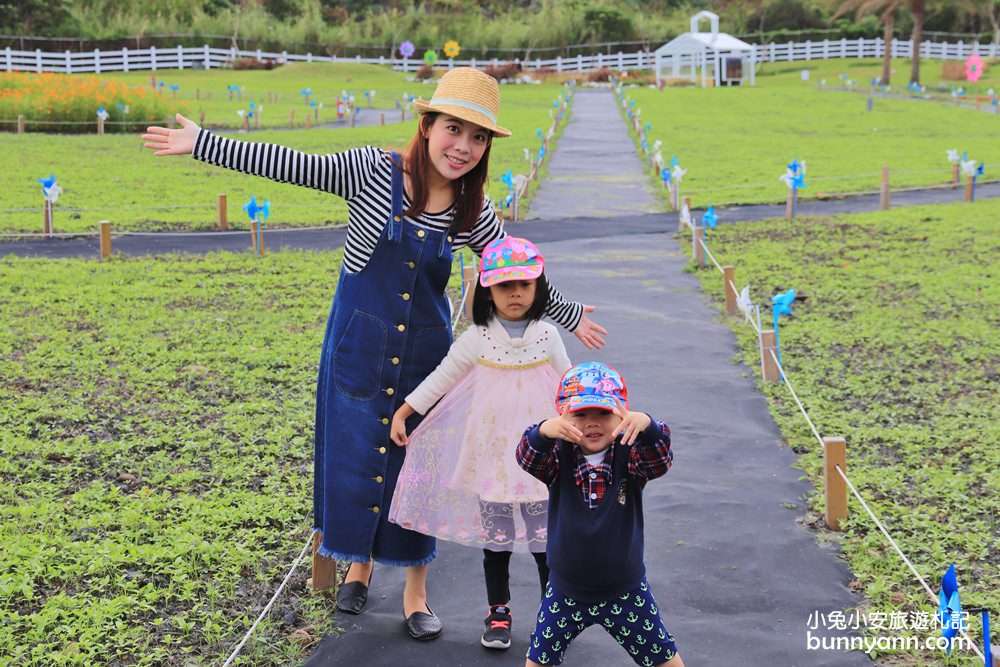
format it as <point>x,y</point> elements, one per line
<point>406,49</point>
<point>973,68</point>
<point>258,213</point>
<point>451,48</point>
<point>430,57</point>
<point>781,305</point>
<point>50,189</point>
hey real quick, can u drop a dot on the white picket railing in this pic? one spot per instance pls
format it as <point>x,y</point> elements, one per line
<point>205,57</point>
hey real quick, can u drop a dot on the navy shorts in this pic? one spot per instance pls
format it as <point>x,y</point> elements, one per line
<point>632,619</point>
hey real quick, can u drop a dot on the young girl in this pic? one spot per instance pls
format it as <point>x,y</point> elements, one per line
<point>388,326</point>
<point>460,481</point>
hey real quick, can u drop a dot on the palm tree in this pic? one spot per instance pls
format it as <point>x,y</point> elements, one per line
<point>917,10</point>
<point>887,10</point>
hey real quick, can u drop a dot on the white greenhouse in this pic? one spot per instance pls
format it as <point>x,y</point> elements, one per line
<point>722,59</point>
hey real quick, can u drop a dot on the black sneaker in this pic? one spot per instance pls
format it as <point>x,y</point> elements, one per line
<point>497,634</point>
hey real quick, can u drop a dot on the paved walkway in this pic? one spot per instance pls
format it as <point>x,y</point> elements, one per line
<point>736,574</point>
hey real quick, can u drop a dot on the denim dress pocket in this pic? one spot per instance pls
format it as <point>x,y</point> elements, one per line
<point>358,358</point>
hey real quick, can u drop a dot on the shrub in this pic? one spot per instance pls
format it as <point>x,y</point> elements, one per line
<point>602,75</point>
<point>253,63</point>
<point>424,73</point>
<point>507,71</point>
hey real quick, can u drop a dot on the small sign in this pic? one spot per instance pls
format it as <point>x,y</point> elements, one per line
<point>805,75</point>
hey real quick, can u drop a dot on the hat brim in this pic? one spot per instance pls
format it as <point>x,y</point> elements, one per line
<point>507,273</point>
<point>585,402</point>
<point>465,114</point>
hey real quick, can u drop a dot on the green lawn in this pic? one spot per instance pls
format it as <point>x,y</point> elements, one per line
<point>735,142</point>
<point>113,178</point>
<point>896,350</point>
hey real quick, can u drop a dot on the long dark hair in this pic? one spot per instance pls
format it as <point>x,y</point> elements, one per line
<point>483,307</point>
<point>468,190</point>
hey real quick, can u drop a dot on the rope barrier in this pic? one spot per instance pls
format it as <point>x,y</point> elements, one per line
<point>784,377</point>
<point>710,255</point>
<point>239,647</point>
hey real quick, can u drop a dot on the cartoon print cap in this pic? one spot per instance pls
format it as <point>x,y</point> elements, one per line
<point>510,258</point>
<point>591,385</point>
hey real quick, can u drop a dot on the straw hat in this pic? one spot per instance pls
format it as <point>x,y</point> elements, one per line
<point>468,94</point>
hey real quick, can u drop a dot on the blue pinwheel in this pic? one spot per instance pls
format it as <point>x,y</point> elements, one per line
<point>50,188</point>
<point>950,607</point>
<point>665,175</point>
<point>648,126</point>
<point>538,131</point>
<point>258,213</point>
<point>709,220</point>
<point>174,87</point>
<point>102,114</point>
<point>508,179</point>
<point>781,305</point>
<point>794,178</point>
<point>306,92</point>
<point>541,154</point>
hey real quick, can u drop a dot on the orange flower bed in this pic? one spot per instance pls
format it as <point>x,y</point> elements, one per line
<point>69,103</point>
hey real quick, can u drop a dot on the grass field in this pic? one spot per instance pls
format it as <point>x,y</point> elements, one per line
<point>735,142</point>
<point>113,178</point>
<point>896,350</point>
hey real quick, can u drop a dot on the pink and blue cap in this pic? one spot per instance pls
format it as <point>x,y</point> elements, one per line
<point>591,385</point>
<point>510,258</point>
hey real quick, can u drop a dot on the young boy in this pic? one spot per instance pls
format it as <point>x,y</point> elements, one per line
<point>595,481</point>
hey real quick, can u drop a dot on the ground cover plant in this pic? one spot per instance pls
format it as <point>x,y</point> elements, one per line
<point>156,420</point>
<point>112,177</point>
<point>734,142</point>
<point>894,349</point>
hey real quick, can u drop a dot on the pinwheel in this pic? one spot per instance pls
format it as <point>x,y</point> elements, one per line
<point>782,305</point>
<point>306,92</point>
<point>508,179</point>
<point>174,87</point>
<point>677,173</point>
<point>102,114</point>
<point>527,154</point>
<point>259,214</point>
<point>538,131</point>
<point>970,169</point>
<point>950,607</point>
<point>648,126</point>
<point>451,48</point>
<point>656,146</point>
<point>430,57</point>
<point>952,154</point>
<point>973,68</point>
<point>123,107</point>
<point>665,175</point>
<point>794,178</point>
<point>541,154</point>
<point>232,88</point>
<point>406,49</point>
<point>744,303</point>
<point>709,220</point>
<point>50,188</point>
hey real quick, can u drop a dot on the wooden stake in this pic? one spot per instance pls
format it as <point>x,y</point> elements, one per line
<point>354,119</point>
<point>20,124</point>
<point>728,283</point>
<point>699,249</point>
<point>954,174</point>
<point>170,121</point>
<point>883,199</point>
<point>684,217</point>
<point>834,486</point>
<point>201,119</point>
<point>968,188</point>
<point>47,219</point>
<point>403,119</point>
<point>469,280</point>
<point>105,240</point>
<point>383,118</point>
<point>291,118</point>
<point>246,124</point>
<point>791,204</point>
<point>100,125</point>
<point>308,121</point>
<point>769,366</point>
<point>324,571</point>
<point>197,93</point>
<point>222,222</point>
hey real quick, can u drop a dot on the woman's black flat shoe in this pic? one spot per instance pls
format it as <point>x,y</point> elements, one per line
<point>424,627</point>
<point>352,597</point>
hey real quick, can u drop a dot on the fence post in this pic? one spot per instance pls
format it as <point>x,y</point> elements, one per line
<point>728,283</point>
<point>201,119</point>
<point>152,58</point>
<point>769,367</point>
<point>208,59</point>
<point>383,118</point>
<point>38,61</point>
<point>790,207</point>
<point>10,61</point>
<point>834,486</point>
<point>47,219</point>
<point>324,570</point>
<point>684,216</point>
<point>291,118</point>
<point>69,62</point>
<point>308,120</point>
<point>968,188</point>
<point>97,61</point>
<point>403,119</point>
<point>105,240</point>
<point>20,123</point>
<point>469,280</point>
<point>124,59</point>
<point>100,125</point>
<point>222,221</point>
<point>699,249</point>
<point>883,199</point>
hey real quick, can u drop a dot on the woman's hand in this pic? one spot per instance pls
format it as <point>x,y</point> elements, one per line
<point>397,431</point>
<point>589,332</point>
<point>172,142</point>
<point>561,428</point>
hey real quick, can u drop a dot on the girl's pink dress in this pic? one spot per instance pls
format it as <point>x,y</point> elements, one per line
<point>460,481</point>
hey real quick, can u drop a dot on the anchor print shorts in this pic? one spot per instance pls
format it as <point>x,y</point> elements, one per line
<point>632,619</point>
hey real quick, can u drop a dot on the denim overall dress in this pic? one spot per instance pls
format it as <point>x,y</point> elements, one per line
<point>388,329</point>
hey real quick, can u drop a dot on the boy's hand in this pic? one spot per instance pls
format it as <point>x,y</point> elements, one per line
<point>397,431</point>
<point>172,142</point>
<point>632,424</point>
<point>561,428</point>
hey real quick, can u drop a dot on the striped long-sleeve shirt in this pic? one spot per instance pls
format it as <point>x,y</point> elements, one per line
<point>363,177</point>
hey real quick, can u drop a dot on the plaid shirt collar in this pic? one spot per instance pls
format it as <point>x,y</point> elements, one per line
<point>593,488</point>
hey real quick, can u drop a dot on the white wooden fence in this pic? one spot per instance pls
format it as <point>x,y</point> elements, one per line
<point>204,57</point>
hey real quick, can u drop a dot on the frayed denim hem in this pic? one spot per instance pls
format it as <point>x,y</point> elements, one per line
<point>407,563</point>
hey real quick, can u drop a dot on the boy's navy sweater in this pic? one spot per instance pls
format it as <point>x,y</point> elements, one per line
<point>595,554</point>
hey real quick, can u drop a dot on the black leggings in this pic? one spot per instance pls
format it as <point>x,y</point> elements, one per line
<point>496,567</point>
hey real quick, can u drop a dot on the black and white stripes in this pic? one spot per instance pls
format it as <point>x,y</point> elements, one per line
<point>363,177</point>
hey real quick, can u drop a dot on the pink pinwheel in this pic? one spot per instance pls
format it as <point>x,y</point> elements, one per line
<point>973,68</point>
